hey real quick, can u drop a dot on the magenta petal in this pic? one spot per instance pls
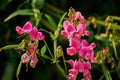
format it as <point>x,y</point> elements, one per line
<point>27,27</point>
<point>64,33</point>
<point>84,43</point>
<point>79,66</point>
<point>40,36</point>
<point>34,34</point>
<point>71,51</point>
<point>87,65</point>
<point>71,62</point>
<point>19,30</point>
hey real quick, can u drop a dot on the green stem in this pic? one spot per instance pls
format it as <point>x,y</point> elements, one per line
<point>48,49</point>
<point>61,70</point>
<point>64,63</point>
<point>104,24</point>
<point>114,47</point>
<point>106,72</point>
<point>55,46</point>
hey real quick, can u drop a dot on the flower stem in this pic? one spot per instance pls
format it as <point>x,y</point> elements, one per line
<point>106,72</point>
<point>48,49</point>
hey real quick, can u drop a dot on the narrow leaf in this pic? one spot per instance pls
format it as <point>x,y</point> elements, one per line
<point>18,69</point>
<point>19,12</point>
<point>9,47</point>
<point>43,50</point>
<point>61,19</point>
<point>51,21</point>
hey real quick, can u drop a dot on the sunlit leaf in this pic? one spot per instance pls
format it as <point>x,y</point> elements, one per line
<point>51,21</point>
<point>19,12</point>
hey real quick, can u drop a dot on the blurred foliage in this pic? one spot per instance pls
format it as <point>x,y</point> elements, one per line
<point>45,14</point>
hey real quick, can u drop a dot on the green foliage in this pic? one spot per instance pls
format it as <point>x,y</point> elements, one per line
<point>43,50</point>
<point>37,4</point>
<point>19,12</point>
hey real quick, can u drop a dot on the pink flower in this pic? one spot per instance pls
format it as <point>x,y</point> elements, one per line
<point>77,65</point>
<point>71,51</point>
<point>87,51</point>
<point>82,29</point>
<point>34,61</point>
<point>19,30</point>
<point>26,28</point>
<point>34,34</point>
<point>87,65</point>
<point>40,36</point>
<point>78,16</point>
<point>75,43</point>
<point>25,58</point>
<point>68,28</point>
<point>31,49</point>
<point>72,74</point>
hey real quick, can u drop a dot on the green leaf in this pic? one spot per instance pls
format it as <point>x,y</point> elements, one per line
<point>43,50</point>
<point>51,21</point>
<point>37,4</point>
<point>19,12</point>
<point>98,37</point>
<point>60,22</point>
<point>18,69</point>
<point>9,47</point>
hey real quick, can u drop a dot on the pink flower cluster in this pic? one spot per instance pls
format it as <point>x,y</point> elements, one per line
<point>74,30</point>
<point>30,54</point>
<point>29,29</point>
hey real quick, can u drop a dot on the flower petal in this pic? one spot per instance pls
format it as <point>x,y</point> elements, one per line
<point>34,34</point>
<point>27,27</point>
<point>40,36</point>
<point>19,30</point>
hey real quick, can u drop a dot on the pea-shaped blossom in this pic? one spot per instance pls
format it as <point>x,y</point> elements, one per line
<point>25,29</point>
<point>35,34</point>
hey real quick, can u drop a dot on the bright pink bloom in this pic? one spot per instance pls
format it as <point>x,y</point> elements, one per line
<point>40,36</point>
<point>78,16</point>
<point>87,51</point>
<point>34,34</point>
<point>71,51</point>
<point>68,28</point>
<point>87,65</point>
<point>77,65</point>
<point>75,43</point>
<point>19,30</point>
<point>86,73</point>
<point>72,74</point>
<point>27,27</point>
